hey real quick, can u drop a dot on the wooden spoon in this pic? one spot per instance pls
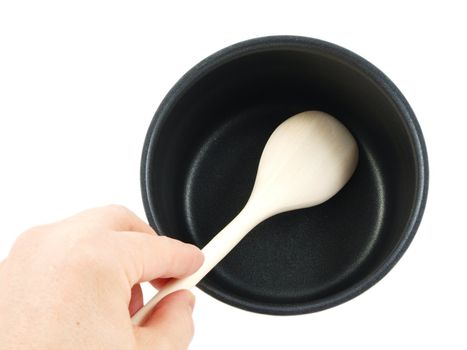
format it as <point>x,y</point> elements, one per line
<point>306,161</point>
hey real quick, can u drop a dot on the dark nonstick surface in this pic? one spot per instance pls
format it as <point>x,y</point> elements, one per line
<point>203,149</point>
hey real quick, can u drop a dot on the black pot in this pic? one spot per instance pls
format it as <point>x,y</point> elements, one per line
<point>202,151</point>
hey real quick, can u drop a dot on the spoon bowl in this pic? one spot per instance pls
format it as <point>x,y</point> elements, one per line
<point>306,161</point>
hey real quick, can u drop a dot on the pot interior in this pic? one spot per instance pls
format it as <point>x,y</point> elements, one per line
<point>202,162</point>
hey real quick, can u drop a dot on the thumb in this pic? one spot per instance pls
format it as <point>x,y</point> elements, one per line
<point>170,326</point>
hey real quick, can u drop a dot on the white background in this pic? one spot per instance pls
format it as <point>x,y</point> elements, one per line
<point>80,81</point>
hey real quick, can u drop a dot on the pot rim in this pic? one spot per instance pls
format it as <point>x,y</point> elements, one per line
<point>356,62</point>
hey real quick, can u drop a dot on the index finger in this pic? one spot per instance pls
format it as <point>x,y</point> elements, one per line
<point>145,258</point>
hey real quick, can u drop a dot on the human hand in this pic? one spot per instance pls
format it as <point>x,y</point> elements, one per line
<point>74,285</point>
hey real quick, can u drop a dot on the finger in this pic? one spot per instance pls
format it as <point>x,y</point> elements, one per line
<point>113,217</point>
<point>136,300</point>
<point>160,282</point>
<point>170,325</point>
<point>146,257</point>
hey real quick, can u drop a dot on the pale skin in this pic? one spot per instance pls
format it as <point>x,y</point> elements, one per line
<point>74,284</point>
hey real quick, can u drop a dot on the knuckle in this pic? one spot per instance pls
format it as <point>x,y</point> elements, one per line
<point>36,231</point>
<point>86,256</point>
<point>32,236</point>
<point>118,209</point>
<point>167,242</point>
<point>165,246</point>
<point>163,240</point>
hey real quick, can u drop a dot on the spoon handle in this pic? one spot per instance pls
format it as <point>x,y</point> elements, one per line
<point>213,252</point>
